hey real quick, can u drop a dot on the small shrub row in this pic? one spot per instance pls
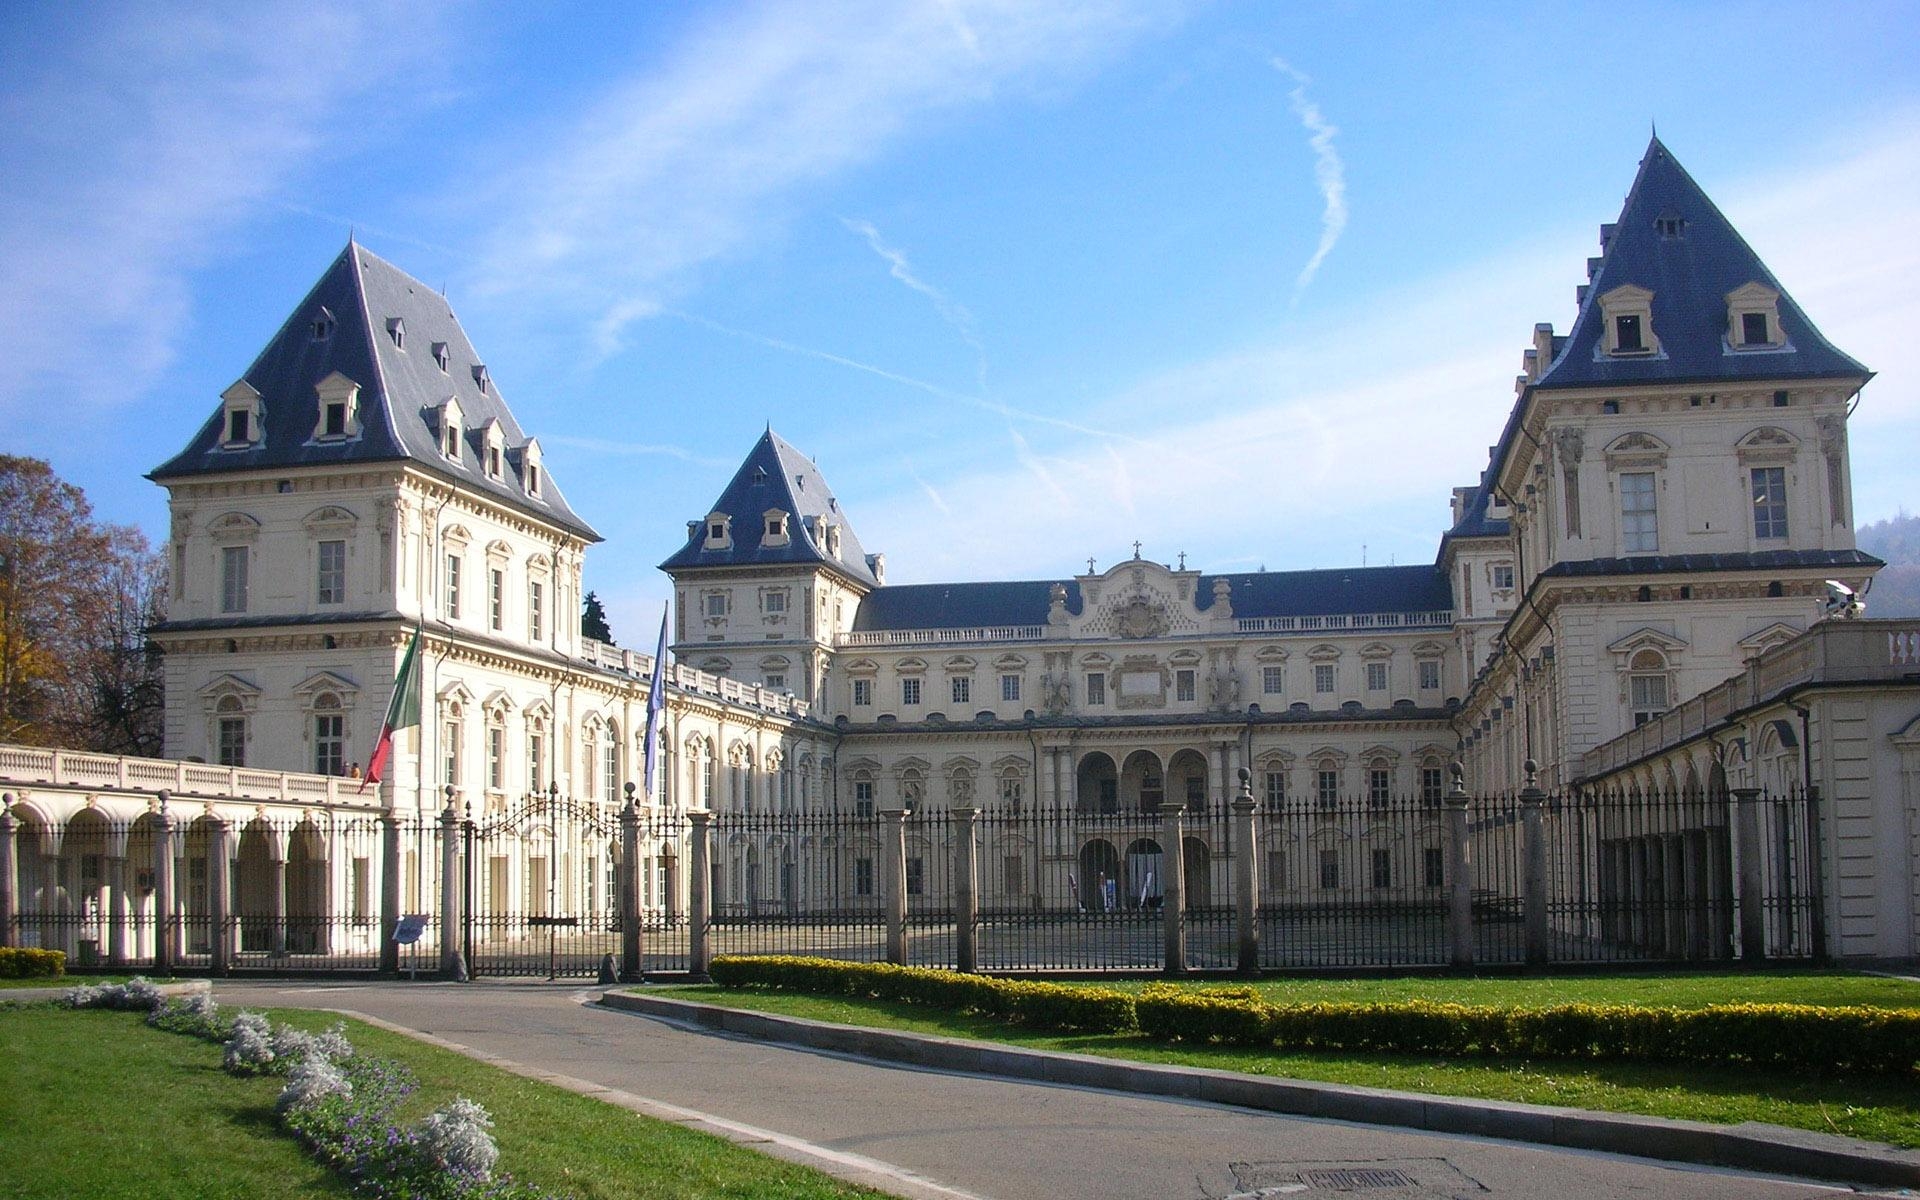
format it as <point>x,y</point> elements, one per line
<point>1784,1036</point>
<point>1037,1005</point>
<point>22,962</point>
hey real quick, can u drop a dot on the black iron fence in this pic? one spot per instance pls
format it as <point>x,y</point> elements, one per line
<point>550,887</point>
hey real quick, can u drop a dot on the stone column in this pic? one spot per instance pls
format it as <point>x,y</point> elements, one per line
<point>1533,867</point>
<point>893,882</point>
<point>699,890</point>
<point>1459,873</point>
<point>966,888</point>
<point>1173,886</point>
<point>219,899</point>
<point>9,874</point>
<point>277,900</point>
<point>1746,835</point>
<point>453,961</point>
<point>1221,788</point>
<point>632,968</point>
<point>1246,878</point>
<point>165,928</point>
<point>389,892</point>
<point>118,911</point>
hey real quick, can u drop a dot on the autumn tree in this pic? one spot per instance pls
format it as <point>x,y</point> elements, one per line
<point>76,598</point>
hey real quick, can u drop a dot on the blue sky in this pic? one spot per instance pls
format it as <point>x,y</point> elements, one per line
<point>1244,280</point>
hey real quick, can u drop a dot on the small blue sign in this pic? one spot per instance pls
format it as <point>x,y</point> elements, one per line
<point>409,929</point>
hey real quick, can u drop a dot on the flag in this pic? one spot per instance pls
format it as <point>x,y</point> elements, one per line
<point>403,712</point>
<point>656,713</point>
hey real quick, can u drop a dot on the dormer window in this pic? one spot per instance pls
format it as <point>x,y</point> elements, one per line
<point>450,420</point>
<point>774,532</point>
<point>240,425</point>
<point>1753,318</point>
<point>440,356</point>
<point>1669,226</point>
<point>397,330</point>
<point>719,531</point>
<point>480,376</point>
<point>493,450</point>
<point>339,416</point>
<point>530,467</point>
<point>322,325</point>
<point>1627,313</point>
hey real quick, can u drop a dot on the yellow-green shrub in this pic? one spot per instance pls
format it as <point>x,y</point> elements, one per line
<point>1040,1005</point>
<point>21,962</point>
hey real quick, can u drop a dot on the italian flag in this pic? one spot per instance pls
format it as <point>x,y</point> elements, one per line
<point>403,712</point>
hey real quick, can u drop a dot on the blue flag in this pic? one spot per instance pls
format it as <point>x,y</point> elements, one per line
<point>656,714</point>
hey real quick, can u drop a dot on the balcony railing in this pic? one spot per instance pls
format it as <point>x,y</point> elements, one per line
<point>1439,618</point>
<point>103,772</point>
<point>921,637</point>
<point>636,665</point>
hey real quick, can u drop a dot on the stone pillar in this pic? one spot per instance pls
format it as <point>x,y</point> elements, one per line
<point>893,881</point>
<point>1217,802</point>
<point>118,911</point>
<point>1173,886</point>
<point>699,890</point>
<point>165,928</point>
<point>1746,844</point>
<point>1246,879</point>
<point>1533,866</point>
<point>9,874</point>
<point>389,892</point>
<point>1459,873</point>
<point>632,967</point>
<point>277,901</point>
<point>453,961</point>
<point>966,887</point>
<point>219,898</point>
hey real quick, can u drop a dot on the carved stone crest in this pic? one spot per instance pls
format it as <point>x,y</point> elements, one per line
<point>1140,618</point>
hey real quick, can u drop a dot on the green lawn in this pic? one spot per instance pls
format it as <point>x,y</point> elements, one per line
<point>95,1104</point>
<point>1884,1110</point>
<point>67,981</point>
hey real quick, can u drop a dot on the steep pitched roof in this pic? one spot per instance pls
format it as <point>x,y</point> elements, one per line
<point>776,476</point>
<point>1689,274</point>
<point>401,387</point>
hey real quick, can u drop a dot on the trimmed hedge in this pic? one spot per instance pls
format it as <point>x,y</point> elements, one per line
<point>1039,1005</point>
<point>19,962</point>
<point>1784,1036</point>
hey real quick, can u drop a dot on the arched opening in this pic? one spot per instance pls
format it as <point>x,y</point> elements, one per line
<point>306,890</point>
<point>1142,785</point>
<point>1098,888</point>
<point>80,881</point>
<point>256,897</point>
<point>1197,868</point>
<point>1187,779</point>
<point>1098,785</point>
<point>1144,880</point>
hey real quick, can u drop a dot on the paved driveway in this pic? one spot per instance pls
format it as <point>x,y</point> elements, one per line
<point>996,1138</point>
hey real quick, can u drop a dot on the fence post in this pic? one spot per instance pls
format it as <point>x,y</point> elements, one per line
<point>1746,836</point>
<point>163,927</point>
<point>1459,872</point>
<point>966,888</point>
<point>893,882</point>
<point>1173,886</point>
<point>1246,880</point>
<point>389,892</point>
<point>699,890</point>
<point>9,872</point>
<point>453,964</point>
<point>1533,865</point>
<point>219,880</point>
<point>1816,875</point>
<point>631,968</point>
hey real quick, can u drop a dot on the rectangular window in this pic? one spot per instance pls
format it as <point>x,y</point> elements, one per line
<point>453,587</point>
<point>962,689</point>
<point>910,690</point>
<point>1430,786</point>
<point>1626,333</point>
<point>863,877</point>
<point>775,681</point>
<point>496,757</point>
<point>773,602</point>
<point>1272,680</point>
<point>1432,867</point>
<point>610,766</point>
<point>1276,786</point>
<point>239,425</point>
<point>329,744</point>
<point>1639,514</point>
<point>497,600</point>
<point>1326,786</point>
<point>336,420</point>
<point>1323,679</point>
<point>1753,329</point>
<point>232,748</point>
<point>1649,694</point>
<point>1769,502</point>
<point>233,579</point>
<point>1503,577</point>
<point>1383,868</point>
<point>1276,870</point>
<point>1379,787</point>
<point>862,693</point>
<point>536,761</point>
<point>536,615</point>
<point>1430,675</point>
<point>450,752</point>
<point>716,604</point>
<point>1183,685</point>
<point>360,879</point>
<point>1012,874</point>
<point>863,798</point>
<point>1376,677</point>
<point>331,585</point>
<point>1010,687</point>
<point>1329,869</point>
<point>916,877</point>
<point>1096,687</point>
<point>1011,794</point>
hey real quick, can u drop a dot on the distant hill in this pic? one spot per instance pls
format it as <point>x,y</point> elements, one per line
<point>1896,589</point>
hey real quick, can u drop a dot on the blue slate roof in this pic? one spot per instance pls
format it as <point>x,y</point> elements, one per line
<point>401,386</point>
<point>1260,594</point>
<point>1745,560</point>
<point>1689,276</point>
<point>776,476</point>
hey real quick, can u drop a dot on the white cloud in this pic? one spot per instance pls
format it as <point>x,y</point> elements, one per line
<point>689,160</point>
<point>1329,171</point>
<point>955,315</point>
<point>135,142</point>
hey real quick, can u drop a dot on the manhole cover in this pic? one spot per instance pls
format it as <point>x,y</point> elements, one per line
<point>1352,1179</point>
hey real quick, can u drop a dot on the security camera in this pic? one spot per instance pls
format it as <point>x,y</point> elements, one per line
<point>1843,601</point>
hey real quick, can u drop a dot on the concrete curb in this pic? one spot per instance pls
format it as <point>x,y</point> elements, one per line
<point>184,987</point>
<point>1749,1146</point>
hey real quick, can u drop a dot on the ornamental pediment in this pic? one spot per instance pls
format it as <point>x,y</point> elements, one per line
<point>1136,600</point>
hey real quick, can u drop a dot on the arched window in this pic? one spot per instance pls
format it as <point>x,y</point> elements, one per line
<point>230,733</point>
<point>1647,685</point>
<point>329,735</point>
